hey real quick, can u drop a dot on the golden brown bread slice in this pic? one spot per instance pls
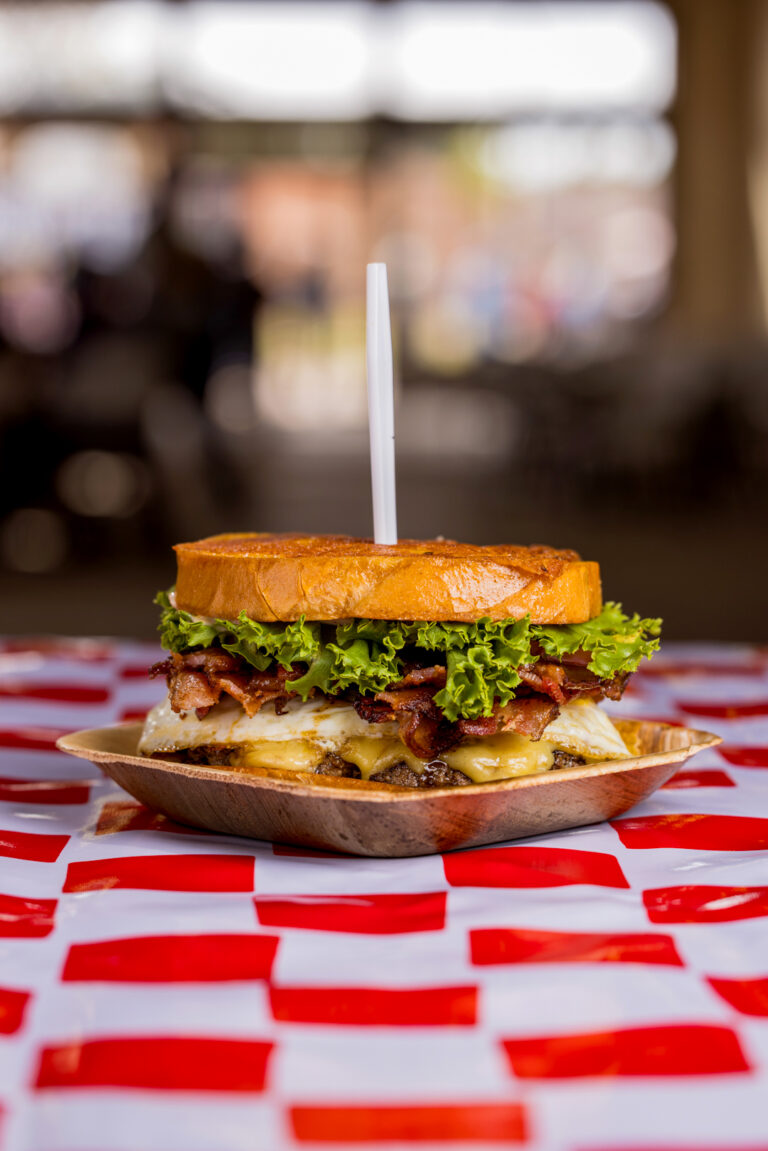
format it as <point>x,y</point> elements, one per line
<point>285,575</point>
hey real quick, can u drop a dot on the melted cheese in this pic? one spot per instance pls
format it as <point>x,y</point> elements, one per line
<point>501,757</point>
<point>373,754</point>
<point>301,738</point>
<point>288,754</point>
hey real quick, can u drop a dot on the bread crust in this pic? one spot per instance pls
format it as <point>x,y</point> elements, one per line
<point>283,576</point>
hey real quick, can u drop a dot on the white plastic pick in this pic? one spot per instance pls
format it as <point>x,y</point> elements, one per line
<point>381,405</point>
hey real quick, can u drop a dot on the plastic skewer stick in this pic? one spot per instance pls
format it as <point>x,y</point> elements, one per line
<point>381,405</point>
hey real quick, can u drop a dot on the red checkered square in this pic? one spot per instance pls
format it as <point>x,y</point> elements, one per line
<point>500,945</point>
<point>55,693</point>
<point>156,1063</point>
<point>172,959</point>
<point>718,710</point>
<point>407,1124</point>
<point>374,1006</point>
<point>672,1050</point>
<point>163,873</point>
<point>356,914</point>
<point>32,846</point>
<point>705,904</point>
<point>694,832</point>
<point>532,867</point>
<point>744,756</point>
<point>43,791</point>
<point>30,738</point>
<point>13,1006</point>
<point>749,996</point>
<point>704,777</point>
<point>22,918</point>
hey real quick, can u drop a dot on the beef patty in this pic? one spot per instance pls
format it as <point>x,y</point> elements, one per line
<point>436,774</point>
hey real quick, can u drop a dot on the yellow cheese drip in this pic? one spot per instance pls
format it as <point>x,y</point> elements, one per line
<point>482,760</point>
<point>373,754</point>
<point>288,754</point>
<point>500,757</point>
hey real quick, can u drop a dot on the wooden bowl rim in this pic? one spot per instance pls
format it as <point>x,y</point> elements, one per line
<point>81,744</point>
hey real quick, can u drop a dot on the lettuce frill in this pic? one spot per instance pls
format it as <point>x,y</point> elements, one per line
<point>482,659</point>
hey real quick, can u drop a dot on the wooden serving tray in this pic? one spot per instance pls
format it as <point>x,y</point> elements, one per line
<point>366,818</point>
<point>380,819</point>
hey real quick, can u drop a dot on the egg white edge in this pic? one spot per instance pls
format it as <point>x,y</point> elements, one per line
<point>581,728</point>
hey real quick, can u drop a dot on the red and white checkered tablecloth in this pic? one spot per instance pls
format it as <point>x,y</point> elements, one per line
<point>163,989</point>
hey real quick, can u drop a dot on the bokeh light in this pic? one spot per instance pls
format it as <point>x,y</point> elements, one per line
<point>33,540</point>
<point>96,483</point>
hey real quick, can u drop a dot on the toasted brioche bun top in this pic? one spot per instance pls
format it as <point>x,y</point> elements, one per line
<point>286,575</point>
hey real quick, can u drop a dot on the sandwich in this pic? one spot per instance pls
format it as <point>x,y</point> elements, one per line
<point>423,664</point>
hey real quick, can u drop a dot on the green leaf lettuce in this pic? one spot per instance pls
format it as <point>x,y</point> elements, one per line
<point>482,659</point>
<point>616,642</point>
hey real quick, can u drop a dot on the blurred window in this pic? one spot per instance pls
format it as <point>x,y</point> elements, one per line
<point>271,60</point>
<point>293,59</point>
<point>483,60</point>
<point>67,57</point>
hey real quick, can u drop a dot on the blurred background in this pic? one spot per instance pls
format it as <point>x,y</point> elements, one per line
<point>571,197</point>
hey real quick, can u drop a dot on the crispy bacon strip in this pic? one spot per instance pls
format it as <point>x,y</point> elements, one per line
<point>547,678</point>
<point>527,716</point>
<point>422,726</point>
<point>373,710</point>
<point>197,679</point>
<point>189,689</point>
<point>426,736</point>
<point>211,659</point>
<point>564,681</point>
<point>614,688</point>
<point>192,691</point>
<point>483,725</point>
<point>408,698</point>
<point>238,686</point>
<point>426,732</point>
<point>258,688</point>
<point>571,659</point>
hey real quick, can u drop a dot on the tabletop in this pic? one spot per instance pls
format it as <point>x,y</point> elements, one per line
<point>166,989</point>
